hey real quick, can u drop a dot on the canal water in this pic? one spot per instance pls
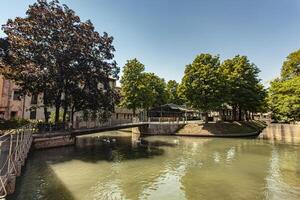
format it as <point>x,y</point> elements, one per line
<point>115,165</point>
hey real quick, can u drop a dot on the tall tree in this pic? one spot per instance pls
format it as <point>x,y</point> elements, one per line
<point>284,98</point>
<point>242,90</point>
<point>291,66</point>
<point>53,53</point>
<point>154,90</point>
<point>201,84</point>
<point>284,93</point>
<point>132,85</point>
<point>141,89</point>
<point>172,90</point>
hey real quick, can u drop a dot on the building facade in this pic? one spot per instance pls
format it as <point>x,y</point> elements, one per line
<point>13,106</point>
<point>11,103</point>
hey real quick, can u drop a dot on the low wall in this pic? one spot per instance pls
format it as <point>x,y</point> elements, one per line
<point>282,132</point>
<point>56,141</point>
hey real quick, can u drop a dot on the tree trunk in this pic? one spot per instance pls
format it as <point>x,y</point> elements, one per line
<point>72,117</point>
<point>234,112</point>
<point>65,113</point>
<point>206,117</point>
<point>247,115</point>
<point>57,107</point>
<point>240,114</point>
<point>46,114</point>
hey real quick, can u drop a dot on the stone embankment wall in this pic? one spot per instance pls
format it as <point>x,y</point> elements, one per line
<point>282,132</point>
<point>158,129</point>
<point>53,141</point>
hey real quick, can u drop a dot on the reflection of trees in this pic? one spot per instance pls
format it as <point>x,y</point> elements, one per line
<point>138,178</point>
<point>231,169</point>
<point>283,180</point>
<point>168,167</point>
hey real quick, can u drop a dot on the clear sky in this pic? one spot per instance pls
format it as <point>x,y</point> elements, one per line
<point>166,35</point>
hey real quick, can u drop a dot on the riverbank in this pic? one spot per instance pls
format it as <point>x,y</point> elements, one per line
<point>223,129</point>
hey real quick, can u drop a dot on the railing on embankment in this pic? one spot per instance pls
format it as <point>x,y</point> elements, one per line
<point>14,147</point>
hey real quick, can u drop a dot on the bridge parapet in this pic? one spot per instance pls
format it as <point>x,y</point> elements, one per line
<point>14,147</point>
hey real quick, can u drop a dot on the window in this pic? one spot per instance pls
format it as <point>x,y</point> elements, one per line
<point>34,99</point>
<point>33,114</point>
<point>117,115</point>
<point>17,95</point>
<point>13,114</point>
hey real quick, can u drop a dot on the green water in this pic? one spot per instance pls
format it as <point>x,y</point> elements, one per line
<point>163,168</point>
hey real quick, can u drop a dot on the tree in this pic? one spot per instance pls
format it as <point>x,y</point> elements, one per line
<point>132,85</point>
<point>56,54</point>
<point>284,93</point>
<point>201,84</point>
<point>284,98</point>
<point>172,90</point>
<point>154,90</point>
<point>242,88</point>
<point>3,49</point>
<point>291,66</point>
<point>140,89</point>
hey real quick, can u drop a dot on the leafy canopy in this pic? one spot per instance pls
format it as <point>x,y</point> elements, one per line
<point>201,83</point>
<point>53,52</point>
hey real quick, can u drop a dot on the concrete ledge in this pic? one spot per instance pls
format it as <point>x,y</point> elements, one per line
<point>56,141</point>
<point>161,129</point>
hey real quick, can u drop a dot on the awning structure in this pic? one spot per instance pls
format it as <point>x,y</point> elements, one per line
<point>171,110</point>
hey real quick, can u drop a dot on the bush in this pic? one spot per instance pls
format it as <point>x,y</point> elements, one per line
<point>12,123</point>
<point>43,127</point>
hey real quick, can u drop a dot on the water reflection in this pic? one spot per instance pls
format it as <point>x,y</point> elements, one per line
<point>163,168</point>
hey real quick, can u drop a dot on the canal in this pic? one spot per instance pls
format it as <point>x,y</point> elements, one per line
<point>115,165</point>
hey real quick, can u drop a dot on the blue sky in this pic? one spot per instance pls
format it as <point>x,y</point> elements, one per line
<point>166,35</point>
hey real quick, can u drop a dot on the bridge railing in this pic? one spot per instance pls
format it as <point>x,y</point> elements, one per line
<point>50,127</point>
<point>91,124</point>
<point>14,147</point>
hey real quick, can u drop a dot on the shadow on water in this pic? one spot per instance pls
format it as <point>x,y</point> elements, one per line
<point>41,183</point>
<point>47,185</point>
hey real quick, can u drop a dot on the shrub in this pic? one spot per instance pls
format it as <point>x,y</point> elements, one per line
<point>12,123</point>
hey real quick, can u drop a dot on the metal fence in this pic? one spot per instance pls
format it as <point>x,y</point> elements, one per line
<point>14,147</point>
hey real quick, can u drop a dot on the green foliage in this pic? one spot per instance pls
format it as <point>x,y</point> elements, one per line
<point>291,67</point>
<point>154,90</point>
<point>172,90</point>
<point>12,124</point>
<point>51,51</point>
<point>132,85</point>
<point>242,88</point>
<point>284,98</point>
<point>201,84</point>
<point>141,89</point>
<point>284,92</point>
